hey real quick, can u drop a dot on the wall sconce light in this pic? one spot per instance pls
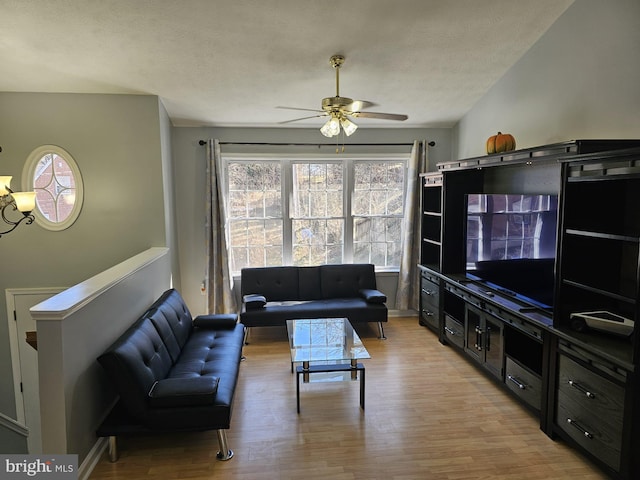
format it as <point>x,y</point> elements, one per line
<point>13,202</point>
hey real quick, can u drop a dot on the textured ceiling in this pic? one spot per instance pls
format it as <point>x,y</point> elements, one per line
<point>232,62</point>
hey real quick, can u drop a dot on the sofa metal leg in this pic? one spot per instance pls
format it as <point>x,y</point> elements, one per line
<point>113,449</point>
<point>225,453</point>
<point>246,335</point>
<point>381,331</point>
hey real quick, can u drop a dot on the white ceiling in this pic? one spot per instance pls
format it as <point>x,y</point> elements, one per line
<point>232,62</point>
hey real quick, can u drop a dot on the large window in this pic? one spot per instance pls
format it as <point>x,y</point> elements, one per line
<point>312,211</point>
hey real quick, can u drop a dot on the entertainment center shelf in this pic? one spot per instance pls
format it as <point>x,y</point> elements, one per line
<point>513,247</point>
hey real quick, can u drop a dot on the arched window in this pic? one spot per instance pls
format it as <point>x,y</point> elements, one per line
<point>54,175</point>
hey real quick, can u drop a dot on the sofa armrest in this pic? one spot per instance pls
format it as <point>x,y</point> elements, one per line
<point>218,321</point>
<point>373,296</point>
<point>183,392</point>
<point>254,301</point>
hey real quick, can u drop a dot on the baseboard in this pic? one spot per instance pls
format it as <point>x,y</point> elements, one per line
<point>92,458</point>
<point>402,313</point>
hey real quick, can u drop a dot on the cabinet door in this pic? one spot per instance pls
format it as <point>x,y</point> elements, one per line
<point>493,345</point>
<point>484,335</point>
<point>473,331</point>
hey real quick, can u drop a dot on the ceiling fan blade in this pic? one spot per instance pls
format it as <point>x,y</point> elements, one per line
<point>358,105</point>
<point>382,116</point>
<point>303,109</point>
<point>303,118</point>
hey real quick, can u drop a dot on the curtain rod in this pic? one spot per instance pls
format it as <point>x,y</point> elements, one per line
<point>431,144</point>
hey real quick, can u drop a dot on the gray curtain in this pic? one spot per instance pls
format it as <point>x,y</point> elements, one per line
<point>407,294</point>
<point>220,297</point>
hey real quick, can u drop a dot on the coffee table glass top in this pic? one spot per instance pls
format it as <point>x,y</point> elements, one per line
<point>324,340</point>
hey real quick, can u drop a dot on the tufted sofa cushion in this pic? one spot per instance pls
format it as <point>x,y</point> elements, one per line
<point>173,372</point>
<point>337,281</point>
<point>172,318</point>
<point>274,283</point>
<point>137,360</point>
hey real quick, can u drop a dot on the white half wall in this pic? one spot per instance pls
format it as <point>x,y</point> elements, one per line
<point>74,328</point>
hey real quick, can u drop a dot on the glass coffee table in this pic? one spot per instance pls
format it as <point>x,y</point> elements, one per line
<point>326,346</point>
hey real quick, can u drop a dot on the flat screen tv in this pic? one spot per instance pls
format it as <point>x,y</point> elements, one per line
<point>511,243</point>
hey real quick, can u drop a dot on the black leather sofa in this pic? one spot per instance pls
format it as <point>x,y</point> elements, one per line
<point>173,373</point>
<point>272,295</point>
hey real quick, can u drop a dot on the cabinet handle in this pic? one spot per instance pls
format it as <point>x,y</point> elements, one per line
<point>427,292</point>
<point>450,332</point>
<point>580,428</point>
<point>580,388</point>
<point>428,313</point>
<point>520,385</point>
<point>478,344</point>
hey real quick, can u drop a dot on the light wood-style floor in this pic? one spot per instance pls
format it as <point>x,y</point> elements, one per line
<point>430,414</point>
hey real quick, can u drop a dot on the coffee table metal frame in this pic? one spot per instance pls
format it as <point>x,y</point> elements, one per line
<point>328,341</point>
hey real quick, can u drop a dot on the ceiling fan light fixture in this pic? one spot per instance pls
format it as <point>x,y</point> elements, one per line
<point>348,126</point>
<point>338,108</point>
<point>331,128</point>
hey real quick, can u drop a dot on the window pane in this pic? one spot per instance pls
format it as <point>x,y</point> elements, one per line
<point>377,240</point>
<point>317,211</point>
<point>255,243</point>
<point>255,211</point>
<point>239,258</point>
<point>54,184</point>
<point>254,190</point>
<point>237,203</point>
<point>317,190</point>
<point>395,202</point>
<point>317,241</point>
<point>378,208</point>
<point>378,188</point>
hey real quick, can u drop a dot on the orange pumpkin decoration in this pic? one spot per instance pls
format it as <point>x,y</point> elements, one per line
<point>502,142</point>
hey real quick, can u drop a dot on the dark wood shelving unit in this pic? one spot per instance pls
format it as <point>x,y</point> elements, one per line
<point>584,385</point>
<point>431,219</point>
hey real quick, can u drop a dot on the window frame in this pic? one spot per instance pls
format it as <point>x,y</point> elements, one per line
<point>348,162</point>
<point>28,185</point>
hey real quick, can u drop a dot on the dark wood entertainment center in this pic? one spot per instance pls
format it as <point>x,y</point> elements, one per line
<point>583,385</point>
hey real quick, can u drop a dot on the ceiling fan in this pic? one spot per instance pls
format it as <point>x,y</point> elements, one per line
<point>339,109</point>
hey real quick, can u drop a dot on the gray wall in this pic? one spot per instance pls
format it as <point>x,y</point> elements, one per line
<point>117,142</point>
<point>189,167</point>
<point>580,80</point>
<point>12,439</point>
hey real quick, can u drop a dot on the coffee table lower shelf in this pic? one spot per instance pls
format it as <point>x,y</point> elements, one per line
<point>306,370</point>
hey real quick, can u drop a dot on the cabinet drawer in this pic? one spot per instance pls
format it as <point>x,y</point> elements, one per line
<point>454,331</point>
<point>589,433</point>
<point>429,301</point>
<point>523,382</point>
<point>429,315</point>
<point>593,393</point>
<point>590,409</point>
<point>430,293</point>
<point>516,322</point>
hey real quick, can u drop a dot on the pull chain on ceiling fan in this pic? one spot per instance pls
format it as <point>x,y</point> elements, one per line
<point>339,109</point>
